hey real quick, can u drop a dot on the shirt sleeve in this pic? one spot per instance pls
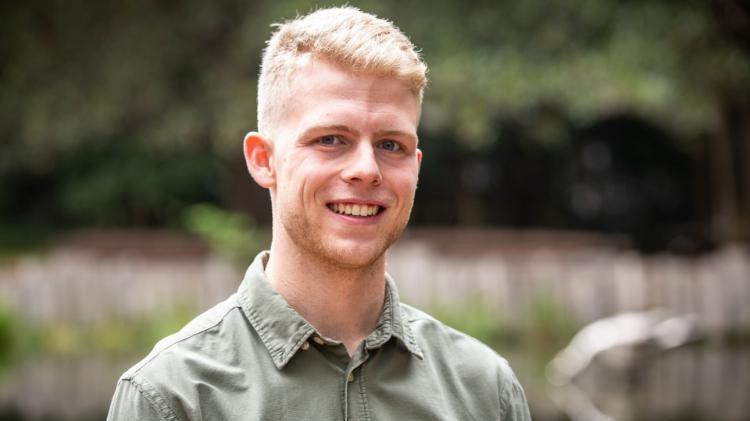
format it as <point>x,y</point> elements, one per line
<point>513,399</point>
<point>130,404</point>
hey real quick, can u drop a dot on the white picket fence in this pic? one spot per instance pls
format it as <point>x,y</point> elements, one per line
<point>589,278</point>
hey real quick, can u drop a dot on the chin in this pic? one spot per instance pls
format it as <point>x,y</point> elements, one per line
<point>354,256</point>
<point>344,250</point>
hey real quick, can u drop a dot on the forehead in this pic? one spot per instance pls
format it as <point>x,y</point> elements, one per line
<point>322,93</point>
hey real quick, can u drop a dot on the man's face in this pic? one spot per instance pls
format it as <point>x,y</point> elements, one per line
<point>346,163</point>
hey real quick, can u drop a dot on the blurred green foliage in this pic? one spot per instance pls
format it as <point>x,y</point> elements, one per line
<point>125,113</point>
<point>232,235</point>
<point>549,325</point>
<point>182,73</point>
<point>108,185</point>
<point>19,239</point>
<point>545,327</point>
<point>544,330</point>
<point>123,184</point>
<point>666,60</point>
<point>476,318</point>
<point>7,335</point>
<point>112,336</point>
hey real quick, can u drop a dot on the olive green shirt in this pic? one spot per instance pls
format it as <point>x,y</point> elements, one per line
<point>252,357</point>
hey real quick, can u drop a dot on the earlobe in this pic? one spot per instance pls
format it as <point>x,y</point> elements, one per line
<point>258,159</point>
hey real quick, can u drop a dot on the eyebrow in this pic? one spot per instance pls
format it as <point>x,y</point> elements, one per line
<point>334,128</point>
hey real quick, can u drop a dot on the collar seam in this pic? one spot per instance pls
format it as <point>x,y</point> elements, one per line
<point>254,318</point>
<point>277,353</point>
<point>385,328</point>
<point>280,345</point>
<point>280,354</point>
<point>409,339</point>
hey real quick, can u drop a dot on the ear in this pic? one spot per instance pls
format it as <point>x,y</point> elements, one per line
<point>258,159</point>
<point>419,157</point>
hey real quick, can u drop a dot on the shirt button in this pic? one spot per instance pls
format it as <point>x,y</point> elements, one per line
<point>318,340</point>
<point>350,377</point>
<point>305,346</point>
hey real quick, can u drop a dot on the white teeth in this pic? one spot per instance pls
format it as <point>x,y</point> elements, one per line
<point>354,209</point>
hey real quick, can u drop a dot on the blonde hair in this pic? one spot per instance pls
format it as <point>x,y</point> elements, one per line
<point>344,36</point>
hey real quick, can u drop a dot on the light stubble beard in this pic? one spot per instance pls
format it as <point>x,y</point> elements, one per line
<point>303,235</point>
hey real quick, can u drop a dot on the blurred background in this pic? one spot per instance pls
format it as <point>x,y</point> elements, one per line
<point>583,207</point>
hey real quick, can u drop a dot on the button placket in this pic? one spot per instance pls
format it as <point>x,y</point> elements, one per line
<point>349,379</point>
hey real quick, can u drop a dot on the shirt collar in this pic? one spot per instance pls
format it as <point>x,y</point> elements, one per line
<point>283,331</point>
<point>393,323</point>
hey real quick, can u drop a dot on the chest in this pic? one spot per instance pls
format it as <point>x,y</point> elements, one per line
<point>389,385</point>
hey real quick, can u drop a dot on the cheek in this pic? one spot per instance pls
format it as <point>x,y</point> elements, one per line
<point>305,181</point>
<point>405,183</point>
<point>290,169</point>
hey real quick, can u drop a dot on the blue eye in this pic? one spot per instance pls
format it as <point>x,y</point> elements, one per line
<point>390,146</point>
<point>328,140</point>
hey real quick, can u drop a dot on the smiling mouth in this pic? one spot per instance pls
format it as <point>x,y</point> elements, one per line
<point>355,209</point>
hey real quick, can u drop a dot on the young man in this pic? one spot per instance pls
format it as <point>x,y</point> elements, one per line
<point>316,330</point>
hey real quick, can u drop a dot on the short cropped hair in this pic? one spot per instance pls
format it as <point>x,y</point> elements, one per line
<point>344,36</point>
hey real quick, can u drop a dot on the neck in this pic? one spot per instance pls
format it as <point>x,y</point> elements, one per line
<point>341,303</point>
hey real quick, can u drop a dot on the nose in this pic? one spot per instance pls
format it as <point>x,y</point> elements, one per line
<point>362,166</point>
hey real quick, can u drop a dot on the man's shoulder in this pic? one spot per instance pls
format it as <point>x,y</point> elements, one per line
<point>455,349</point>
<point>433,333</point>
<point>475,367</point>
<point>203,348</point>
<point>201,336</point>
